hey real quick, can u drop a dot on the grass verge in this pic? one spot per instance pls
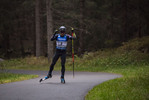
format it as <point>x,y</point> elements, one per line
<point>134,85</point>
<point>9,77</point>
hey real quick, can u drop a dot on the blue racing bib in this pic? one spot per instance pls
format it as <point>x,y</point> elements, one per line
<point>61,42</point>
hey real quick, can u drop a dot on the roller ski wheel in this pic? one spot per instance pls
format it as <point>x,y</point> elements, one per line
<point>62,80</point>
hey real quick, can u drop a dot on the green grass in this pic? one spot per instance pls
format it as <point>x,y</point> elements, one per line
<point>130,60</point>
<point>134,85</point>
<point>28,63</point>
<point>9,77</point>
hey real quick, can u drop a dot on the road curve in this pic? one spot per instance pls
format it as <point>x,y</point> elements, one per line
<point>74,88</point>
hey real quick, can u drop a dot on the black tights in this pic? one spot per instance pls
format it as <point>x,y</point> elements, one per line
<point>62,54</point>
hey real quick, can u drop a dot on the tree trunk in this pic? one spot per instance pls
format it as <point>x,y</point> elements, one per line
<point>82,5</point>
<point>49,29</point>
<point>112,20</point>
<point>22,46</point>
<point>38,36</point>
<point>7,45</point>
<point>125,20</point>
<point>139,18</point>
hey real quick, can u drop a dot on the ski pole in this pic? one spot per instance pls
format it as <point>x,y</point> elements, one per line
<point>72,51</point>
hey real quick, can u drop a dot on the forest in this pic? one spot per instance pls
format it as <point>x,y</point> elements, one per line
<point>27,25</point>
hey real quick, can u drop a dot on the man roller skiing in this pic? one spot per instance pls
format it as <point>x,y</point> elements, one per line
<point>61,44</point>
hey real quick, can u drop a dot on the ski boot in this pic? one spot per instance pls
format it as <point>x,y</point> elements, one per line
<point>42,79</point>
<point>62,80</point>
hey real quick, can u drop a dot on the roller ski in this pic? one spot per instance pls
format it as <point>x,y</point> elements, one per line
<point>45,78</point>
<point>63,80</point>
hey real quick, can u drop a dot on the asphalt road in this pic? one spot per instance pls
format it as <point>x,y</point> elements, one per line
<point>74,88</point>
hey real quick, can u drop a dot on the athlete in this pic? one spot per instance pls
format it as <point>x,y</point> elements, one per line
<point>61,44</point>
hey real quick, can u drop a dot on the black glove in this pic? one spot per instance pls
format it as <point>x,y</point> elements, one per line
<point>55,32</point>
<point>72,29</point>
